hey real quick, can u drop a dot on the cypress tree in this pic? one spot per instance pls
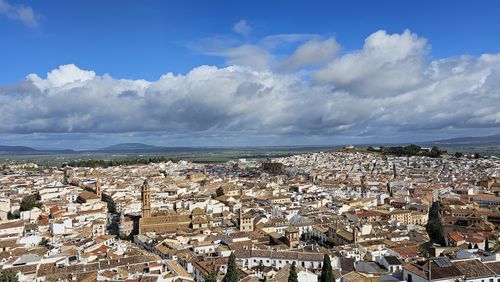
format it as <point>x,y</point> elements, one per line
<point>487,245</point>
<point>434,227</point>
<point>8,275</point>
<point>292,276</point>
<point>326,270</point>
<point>212,276</point>
<point>231,274</point>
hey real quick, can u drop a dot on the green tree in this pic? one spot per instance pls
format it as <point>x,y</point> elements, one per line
<point>487,245</point>
<point>231,274</point>
<point>292,276</point>
<point>425,250</point>
<point>434,227</point>
<point>496,246</point>
<point>29,202</point>
<point>458,154</point>
<point>440,233</point>
<point>435,152</point>
<point>11,216</point>
<point>44,242</point>
<point>212,276</point>
<point>122,236</point>
<point>326,270</point>
<point>8,275</point>
<point>411,150</point>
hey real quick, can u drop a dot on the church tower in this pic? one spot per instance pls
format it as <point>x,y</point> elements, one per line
<point>355,234</point>
<point>68,176</point>
<point>146,199</point>
<point>98,191</point>
<point>292,237</point>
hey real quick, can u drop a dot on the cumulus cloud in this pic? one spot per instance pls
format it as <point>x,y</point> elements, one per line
<point>19,12</point>
<point>64,75</point>
<point>388,88</point>
<point>242,27</point>
<point>387,65</point>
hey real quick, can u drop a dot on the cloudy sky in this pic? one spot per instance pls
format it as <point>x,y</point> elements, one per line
<point>188,73</point>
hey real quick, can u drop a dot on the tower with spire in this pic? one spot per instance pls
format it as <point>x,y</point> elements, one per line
<point>146,199</point>
<point>98,190</point>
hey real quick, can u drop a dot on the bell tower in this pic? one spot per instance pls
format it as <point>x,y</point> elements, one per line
<point>98,190</point>
<point>355,234</point>
<point>292,237</point>
<point>146,199</point>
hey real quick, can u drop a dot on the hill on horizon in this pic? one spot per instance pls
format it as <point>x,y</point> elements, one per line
<point>483,141</point>
<point>16,149</point>
<point>491,140</point>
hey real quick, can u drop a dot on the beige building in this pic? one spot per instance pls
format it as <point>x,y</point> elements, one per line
<point>246,222</point>
<point>159,222</point>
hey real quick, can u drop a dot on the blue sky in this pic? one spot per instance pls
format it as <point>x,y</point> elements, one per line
<point>132,39</point>
<point>135,43</point>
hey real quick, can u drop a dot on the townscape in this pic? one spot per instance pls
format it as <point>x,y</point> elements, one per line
<point>250,141</point>
<point>371,216</point>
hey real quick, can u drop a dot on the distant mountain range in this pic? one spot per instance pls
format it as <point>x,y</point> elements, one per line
<point>145,148</point>
<point>492,140</point>
<point>23,150</point>
<point>13,149</point>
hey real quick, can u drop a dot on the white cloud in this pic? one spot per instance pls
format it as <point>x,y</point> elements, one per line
<point>274,41</point>
<point>248,55</point>
<point>64,75</point>
<point>22,13</point>
<point>388,88</point>
<point>242,27</point>
<point>387,65</point>
<point>312,53</point>
<point>262,54</point>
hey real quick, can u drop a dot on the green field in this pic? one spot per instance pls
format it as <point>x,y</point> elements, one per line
<point>484,151</point>
<point>201,156</point>
<point>214,155</point>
